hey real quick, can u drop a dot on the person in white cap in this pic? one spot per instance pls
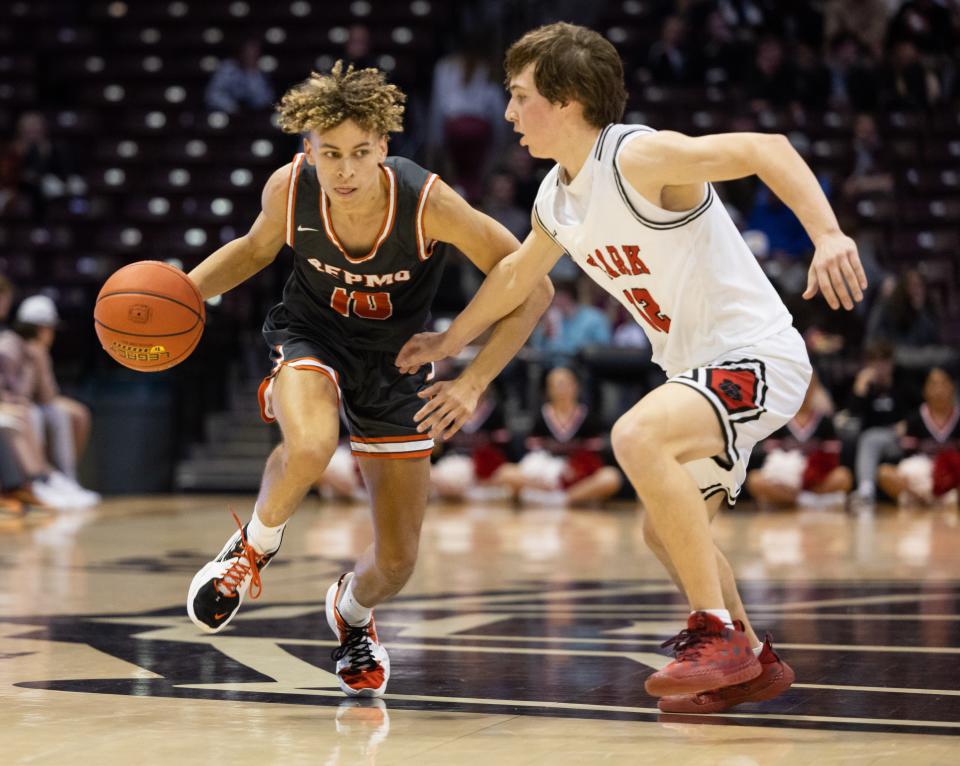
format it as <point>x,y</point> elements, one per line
<point>65,420</point>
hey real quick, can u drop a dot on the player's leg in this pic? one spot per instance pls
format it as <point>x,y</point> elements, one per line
<point>670,426</point>
<point>399,489</point>
<point>304,403</point>
<point>673,425</point>
<point>775,677</point>
<point>731,595</point>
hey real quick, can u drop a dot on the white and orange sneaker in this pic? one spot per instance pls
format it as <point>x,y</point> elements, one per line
<point>363,665</point>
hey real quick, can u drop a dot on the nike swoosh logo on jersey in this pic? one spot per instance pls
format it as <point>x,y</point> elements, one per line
<point>306,228</point>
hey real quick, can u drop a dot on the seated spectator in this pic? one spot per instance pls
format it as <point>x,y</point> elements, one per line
<point>465,120</point>
<point>470,458</point>
<point>909,82</point>
<point>865,20</point>
<point>568,326</point>
<point>568,460</point>
<point>65,420</point>
<point>801,461</point>
<point>667,59</point>
<point>42,485</point>
<point>930,440</point>
<point>879,403</point>
<point>853,74</point>
<point>239,84</point>
<point>904,318</point>
<point>356,50</point>
<point>500,203</point>
<point>35,169</point>
<point>870,171</point>
<point>770,79</point>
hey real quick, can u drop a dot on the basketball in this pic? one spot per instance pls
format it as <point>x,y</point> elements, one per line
<point>149,316</point>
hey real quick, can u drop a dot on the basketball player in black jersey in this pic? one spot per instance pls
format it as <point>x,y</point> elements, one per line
<point>363,227</point>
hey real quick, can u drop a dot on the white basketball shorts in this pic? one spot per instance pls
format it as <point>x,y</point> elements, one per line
<point>754,390</point>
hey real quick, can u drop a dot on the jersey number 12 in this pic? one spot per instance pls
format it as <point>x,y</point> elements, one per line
<point>648,308</point>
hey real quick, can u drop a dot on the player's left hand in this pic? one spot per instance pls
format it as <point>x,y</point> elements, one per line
<point>450,405</point>
<point>836,272</point>
<point>423,348</point>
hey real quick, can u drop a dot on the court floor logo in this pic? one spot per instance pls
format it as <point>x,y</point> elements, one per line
<point>579,649</point>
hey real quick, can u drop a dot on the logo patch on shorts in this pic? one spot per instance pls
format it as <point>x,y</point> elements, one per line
<point>737,388</point>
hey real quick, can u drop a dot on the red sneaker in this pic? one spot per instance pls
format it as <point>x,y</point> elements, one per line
<point>775,678</point>
<point>709,655</point>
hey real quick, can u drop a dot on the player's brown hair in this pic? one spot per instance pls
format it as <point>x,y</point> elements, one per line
<point>572,63</point>
<point>323,101</point>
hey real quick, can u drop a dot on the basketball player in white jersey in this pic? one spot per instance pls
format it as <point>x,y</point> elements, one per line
<point>635,209</point>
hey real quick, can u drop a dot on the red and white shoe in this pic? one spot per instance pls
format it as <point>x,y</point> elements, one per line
<point>776,676</point>
<point>363,665</point>
<point>709,655</point>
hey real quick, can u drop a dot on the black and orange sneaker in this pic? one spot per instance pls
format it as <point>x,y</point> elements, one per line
<point>217,590</point>
<point>776,676</point>
<point>709,655</point>
<point>363,665</point>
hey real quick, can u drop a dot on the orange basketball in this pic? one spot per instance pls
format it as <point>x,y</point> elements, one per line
<point>149,316</point>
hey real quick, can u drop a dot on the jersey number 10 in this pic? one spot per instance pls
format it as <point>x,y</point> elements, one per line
<point>364,305</point>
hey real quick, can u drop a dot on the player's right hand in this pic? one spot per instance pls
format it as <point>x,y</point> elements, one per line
<point>423,348</point>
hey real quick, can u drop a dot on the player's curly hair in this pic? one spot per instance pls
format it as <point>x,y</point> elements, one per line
<point>323,101</point>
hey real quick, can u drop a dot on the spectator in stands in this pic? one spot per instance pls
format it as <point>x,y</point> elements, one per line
<point>500,203</point>
<point>66,421</point>
<point>853,74</point>
<point>568,460</point>
<point>869,173</point>
<point>800,463</point>
<point>770,83</point>
<point>35,169</point>
<point>721,57</point>
<point>909,82</point>
<point>865,20</point>
<point>926,24</point>
<point>569,325</point>
<point>44,486</point>
<point>667,60</point>
<point>238,84</point>
<point>879,403</point>
<point>905,318</point>
<point>812,79</point>
<point>930,441</point>
<point>465,121</point>
<point>470,458</point>
<point>356,50</point>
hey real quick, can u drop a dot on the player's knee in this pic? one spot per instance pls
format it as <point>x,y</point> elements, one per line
<point>633,437</point>
<point>309,458</point>
<point>396,565</point>
<point>650,536</point>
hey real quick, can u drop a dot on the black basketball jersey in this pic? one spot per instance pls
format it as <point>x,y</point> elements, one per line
<point>373,301</point>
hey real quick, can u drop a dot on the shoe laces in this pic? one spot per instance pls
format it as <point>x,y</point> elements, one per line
<point>686,644</point>
<point>357,647</point>
<point>243,565</point>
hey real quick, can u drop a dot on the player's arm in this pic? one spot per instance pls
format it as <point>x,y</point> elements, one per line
<point>652,164</point>
<point>448,218</point>
<point>507,285</point>
<point>241,258</point>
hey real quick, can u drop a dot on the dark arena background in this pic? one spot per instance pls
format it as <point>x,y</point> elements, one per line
<point>140,130</point>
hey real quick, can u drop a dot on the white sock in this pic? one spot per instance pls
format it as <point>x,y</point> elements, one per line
<point>722,614</point>
<point>263,538</point>
<point>353,612</point>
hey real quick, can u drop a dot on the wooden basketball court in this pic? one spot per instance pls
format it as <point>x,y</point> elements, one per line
<point>523,638</point>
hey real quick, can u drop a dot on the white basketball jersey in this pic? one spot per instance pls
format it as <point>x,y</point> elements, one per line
<point>687,278</point>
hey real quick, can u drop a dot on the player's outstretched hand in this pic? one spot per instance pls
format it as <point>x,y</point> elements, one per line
<point>423,348</point>
<point>836,272</point>
<point>450,405</point>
